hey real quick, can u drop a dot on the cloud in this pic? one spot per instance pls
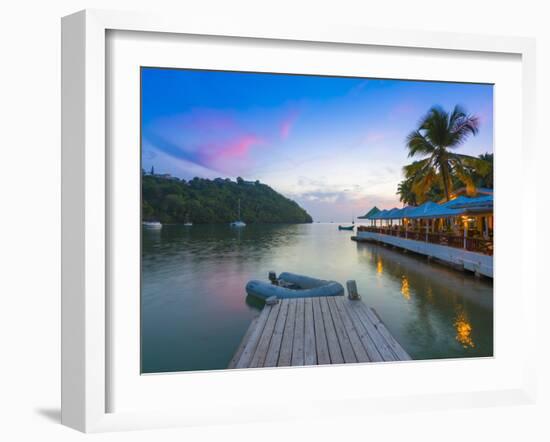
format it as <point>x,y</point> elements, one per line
<point>287,124</point>
<point>375,137</point>
<point>358,88</point>
<point>404,109</point>
<point>212,139</point>
<point>230,156</point>
<point>148,153</point>
<point>237,148</point>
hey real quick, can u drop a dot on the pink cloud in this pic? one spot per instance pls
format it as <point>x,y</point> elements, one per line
<point>237,148</point>
<point>208,120</point>
<point>287,124</point>
<point>230,156</point>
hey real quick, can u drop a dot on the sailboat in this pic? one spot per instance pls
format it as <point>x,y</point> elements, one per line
<point>187,222</point>
<point>238,223</point>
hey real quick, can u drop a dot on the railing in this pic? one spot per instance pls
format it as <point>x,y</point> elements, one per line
<point>472,244</point>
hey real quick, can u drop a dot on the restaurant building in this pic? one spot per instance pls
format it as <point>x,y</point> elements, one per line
<point>458,232</point>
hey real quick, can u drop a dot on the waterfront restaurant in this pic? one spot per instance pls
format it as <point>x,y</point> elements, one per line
<point>459,232</point>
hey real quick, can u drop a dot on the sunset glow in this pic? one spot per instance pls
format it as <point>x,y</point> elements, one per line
<point>334,145</point>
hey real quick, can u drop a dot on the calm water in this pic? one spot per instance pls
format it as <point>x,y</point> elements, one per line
<point>195,311</point>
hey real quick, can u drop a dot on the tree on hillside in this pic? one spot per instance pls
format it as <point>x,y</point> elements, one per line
<point>204,201</point>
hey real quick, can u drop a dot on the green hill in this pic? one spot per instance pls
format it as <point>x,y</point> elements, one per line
<point>203,201</point>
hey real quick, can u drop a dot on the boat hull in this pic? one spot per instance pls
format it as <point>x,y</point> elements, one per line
<point>152,225</point>
<point>307,287</point>
<point>350,228</point>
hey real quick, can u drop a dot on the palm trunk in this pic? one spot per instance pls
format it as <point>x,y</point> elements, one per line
<point>445,175</point>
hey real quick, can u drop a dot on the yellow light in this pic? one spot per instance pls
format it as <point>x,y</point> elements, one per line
<point>463,330</point>
<point>430,295</point>
<point>405,288</point>
<point>379,266</point>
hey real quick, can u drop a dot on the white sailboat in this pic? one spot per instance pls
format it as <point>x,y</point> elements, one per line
<point>187,223</point>
<point>238,223</point>
<point>152,224</point>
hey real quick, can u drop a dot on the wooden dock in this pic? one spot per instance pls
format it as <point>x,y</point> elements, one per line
<point>316,331</point>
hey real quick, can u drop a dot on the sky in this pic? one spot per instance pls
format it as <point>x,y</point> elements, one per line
<point>334,145</point>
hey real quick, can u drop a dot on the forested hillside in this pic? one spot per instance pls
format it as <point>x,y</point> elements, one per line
<point>204,201</point>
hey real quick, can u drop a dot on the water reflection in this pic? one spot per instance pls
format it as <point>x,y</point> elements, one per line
<point>379,266</point>
<point>429,295</point>
<point>195,310</point>
<point>463,329</point>
<point>405,288</point>
<point>450,314</point>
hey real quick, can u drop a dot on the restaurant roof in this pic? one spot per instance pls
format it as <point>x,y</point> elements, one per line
<point>429,209</point>
<point>371,212</point>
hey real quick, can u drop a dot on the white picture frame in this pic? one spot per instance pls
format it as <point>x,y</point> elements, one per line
<point>86,201</point>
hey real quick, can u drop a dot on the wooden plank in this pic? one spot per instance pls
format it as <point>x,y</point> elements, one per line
<point>316,331</point>
<point>275,345</point>
<point>310,353</point>
<point>261,350</point>
<point>242,344</point>
<point>353,334</point>
<point>254,338</point>
<point>320,337</point>
<point>379,341</point>
<point>298,344</point>
<point>364,337</point>
<point>334,350</point>
<point>343,338</point>
<point>285,354</point>
<point>398,350</point>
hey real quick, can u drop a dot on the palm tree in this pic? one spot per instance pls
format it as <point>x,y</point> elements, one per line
<point>406,195</point>
<point>486,180</point>
<point>438,134</point>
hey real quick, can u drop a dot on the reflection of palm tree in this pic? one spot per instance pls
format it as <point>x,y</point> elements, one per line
<point>438,133</point>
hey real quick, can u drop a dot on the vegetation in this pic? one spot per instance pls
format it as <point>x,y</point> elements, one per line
<point>441,170</point>
<point>203,201</point>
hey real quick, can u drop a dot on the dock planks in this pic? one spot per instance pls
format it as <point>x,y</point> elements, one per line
<point>316,331</point>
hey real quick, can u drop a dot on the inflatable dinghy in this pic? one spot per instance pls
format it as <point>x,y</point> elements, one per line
<point>291,285</point>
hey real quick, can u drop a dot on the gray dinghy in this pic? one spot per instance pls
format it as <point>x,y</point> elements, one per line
<point>291,285</point>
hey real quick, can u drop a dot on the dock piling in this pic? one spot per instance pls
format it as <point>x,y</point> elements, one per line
<point>353,294</point>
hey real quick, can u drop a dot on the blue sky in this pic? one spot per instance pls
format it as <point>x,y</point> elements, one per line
<point>335,145</point>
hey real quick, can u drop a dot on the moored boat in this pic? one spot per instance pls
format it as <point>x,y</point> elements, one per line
<point>291,285</point>
<point>152,224</point>
<point>345,227</point>
<point>239,222</point>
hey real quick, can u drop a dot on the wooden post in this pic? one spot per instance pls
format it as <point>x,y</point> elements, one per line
<point>427,229</point>
<point>465,231</point>
<point>273,277</point>
<point>352,290</point>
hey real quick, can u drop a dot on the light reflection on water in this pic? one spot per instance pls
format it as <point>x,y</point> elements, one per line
<point>405,288</point>
<point>194,308</point>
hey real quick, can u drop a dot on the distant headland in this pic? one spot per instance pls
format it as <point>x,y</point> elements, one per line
<point>169,199</point>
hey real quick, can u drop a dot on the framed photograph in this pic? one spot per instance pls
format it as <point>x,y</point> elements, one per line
<point>263,222</point>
